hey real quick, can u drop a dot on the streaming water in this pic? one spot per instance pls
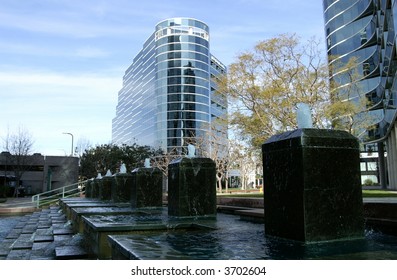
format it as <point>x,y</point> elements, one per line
<point>232,238</point>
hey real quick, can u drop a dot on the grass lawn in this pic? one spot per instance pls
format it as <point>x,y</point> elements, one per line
<point>366,193</point>
<point>378,193</point>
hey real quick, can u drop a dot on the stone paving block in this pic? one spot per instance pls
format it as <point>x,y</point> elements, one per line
<point>43,238</point>
<point>20,245</point>
<point>29,228</point>
<point>32,221</point>
<point>20,225</point>
<point>4,251</point>
<point>57,215</point>
<point>19,255</point>
<point>14,234</point>
<point>40,256</point>
<point>58,225</point>
<point>44,231</point>
<point>25,237</point>
<point>43,251</point>
<point>62,231</point>
<point>41,246</point>
<point>62,239</point>
<point>44,225</point>
<point>7,243</point>
<point>70,252</point>
<point>59,222</point>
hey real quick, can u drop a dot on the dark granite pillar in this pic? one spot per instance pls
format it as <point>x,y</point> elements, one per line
<point>192,187</point>
<point>312,185</point>
<point>95,188</point>
<point>147,188</point>
<point>105,188</point>
<point>121,187</point>
<point>88,189</point>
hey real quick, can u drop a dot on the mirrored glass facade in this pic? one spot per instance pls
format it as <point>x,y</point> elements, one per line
<point>167,99</point>
<point>365,30</point>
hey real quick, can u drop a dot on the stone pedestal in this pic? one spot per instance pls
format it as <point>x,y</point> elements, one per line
<point>95,188</point>
<point>192,187</point>
<point>312,186</point>
<point>147,190</point>
<point>105,188</point>
<point>88,189</point>
<point>121,187</point>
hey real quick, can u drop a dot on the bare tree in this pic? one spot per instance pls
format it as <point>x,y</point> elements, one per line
<point>162,161</point>
<point>82,145</point>
<point>214,145</point>
<point>19,144</point>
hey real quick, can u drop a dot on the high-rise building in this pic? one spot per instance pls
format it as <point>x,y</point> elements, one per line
<point>365,30</point>
<point>168,97</point>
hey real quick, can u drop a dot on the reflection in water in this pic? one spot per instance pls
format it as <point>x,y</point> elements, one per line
<point>232,238</point>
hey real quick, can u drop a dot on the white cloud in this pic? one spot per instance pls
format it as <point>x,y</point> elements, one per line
<point>49,103</point>
<point>91,52</point>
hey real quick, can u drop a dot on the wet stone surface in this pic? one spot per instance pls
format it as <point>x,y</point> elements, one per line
<point>32,237</point>
<point>19,255</point>
<point>312,186</point>
<point>70,252</point>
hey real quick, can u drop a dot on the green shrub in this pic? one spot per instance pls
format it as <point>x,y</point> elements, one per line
<point>368,182</point>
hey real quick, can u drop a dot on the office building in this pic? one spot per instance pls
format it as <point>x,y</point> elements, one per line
<point>365,30</point>
<point>39,173</point>
<point>168,95</point>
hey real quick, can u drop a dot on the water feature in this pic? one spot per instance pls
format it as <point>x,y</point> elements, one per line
<point>232,238</point>
<point>192,187</point>
<point>191,228</point>
<point>121,185</point>
<point>146,187</point>
<point>312,185</point>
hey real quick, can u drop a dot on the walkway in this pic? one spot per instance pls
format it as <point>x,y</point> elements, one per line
<point>17,205</point>
<point>43,235</point>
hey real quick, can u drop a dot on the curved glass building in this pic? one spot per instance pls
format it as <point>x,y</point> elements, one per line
<point>167,99</point>
<point>364,30</point>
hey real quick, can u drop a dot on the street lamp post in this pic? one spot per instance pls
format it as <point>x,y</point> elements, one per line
<point>71,152</point>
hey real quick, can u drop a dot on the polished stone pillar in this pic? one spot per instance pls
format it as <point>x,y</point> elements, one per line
<point>105,188</point>
<point>121,187</point>
<point>192,187</point>
<point>147,188</point>
<point>312,186</point>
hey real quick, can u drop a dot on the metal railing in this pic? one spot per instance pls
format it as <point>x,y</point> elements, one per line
<point>52,196</point>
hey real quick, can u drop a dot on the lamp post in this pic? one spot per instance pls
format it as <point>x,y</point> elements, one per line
<point>71,152</point>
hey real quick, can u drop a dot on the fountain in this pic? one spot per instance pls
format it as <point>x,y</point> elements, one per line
<point>147,189</point>
<point>105,186</point>
<point>191,228</point>
<point>312,184</point>
<point>121,187</point>
<point>192,186</point>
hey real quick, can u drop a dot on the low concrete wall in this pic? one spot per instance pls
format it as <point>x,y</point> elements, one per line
<point>240,202</point>
<point>377,215</point>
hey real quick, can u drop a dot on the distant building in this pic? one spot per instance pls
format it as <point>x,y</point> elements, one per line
<point>168,96</point>
<point>41,173</point>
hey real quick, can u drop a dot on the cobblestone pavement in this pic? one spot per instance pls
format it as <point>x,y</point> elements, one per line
<point>43,235</point>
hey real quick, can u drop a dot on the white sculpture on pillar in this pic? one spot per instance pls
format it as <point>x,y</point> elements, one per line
<point>191,151</point>
<point>303,115</point>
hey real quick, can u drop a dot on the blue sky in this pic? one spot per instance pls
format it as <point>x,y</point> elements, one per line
<point>62,61</point>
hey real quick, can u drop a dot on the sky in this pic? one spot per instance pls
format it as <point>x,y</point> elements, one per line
<point>62,61</point>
